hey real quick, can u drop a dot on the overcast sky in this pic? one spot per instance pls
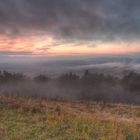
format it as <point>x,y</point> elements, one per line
<point>69,27</point>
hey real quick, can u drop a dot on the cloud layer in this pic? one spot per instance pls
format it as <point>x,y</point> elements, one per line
<point>72,19</point>
<point>14,53</point>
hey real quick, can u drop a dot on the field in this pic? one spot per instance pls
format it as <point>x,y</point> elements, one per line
<point>23,118</point>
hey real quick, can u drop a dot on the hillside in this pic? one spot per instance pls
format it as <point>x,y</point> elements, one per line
<point>23,118</point>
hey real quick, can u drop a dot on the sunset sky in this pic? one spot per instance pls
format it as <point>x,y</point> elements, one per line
<point>69,27</point>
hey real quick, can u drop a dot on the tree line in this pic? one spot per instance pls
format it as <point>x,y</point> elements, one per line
<point>130,82</point>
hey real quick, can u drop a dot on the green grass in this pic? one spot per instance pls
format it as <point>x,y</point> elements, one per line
<point>35,119</point>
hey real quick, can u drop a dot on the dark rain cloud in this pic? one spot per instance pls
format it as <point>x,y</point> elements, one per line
<point>72,19</point>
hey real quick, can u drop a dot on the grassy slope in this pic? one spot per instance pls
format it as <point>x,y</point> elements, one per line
<point>35,119</point>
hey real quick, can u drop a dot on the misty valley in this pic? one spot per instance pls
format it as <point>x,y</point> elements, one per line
<point>73,87</point>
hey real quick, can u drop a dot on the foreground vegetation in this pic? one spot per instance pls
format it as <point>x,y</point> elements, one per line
<point>23,118</point>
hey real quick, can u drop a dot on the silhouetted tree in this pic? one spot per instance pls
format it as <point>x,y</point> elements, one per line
<point>86,73</point>
<point>69,78</point>
<point>11,77</point>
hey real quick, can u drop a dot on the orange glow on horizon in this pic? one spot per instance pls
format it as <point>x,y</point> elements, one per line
<point>48,46</point>
<point>102,49</point>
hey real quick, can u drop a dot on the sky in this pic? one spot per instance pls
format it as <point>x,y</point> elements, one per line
<point>69,27</point>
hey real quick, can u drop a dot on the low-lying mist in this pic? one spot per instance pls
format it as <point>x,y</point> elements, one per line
<point>70,86</point>
<point>54,66</point>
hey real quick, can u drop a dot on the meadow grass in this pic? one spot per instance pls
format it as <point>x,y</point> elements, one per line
<point>23,118</point>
